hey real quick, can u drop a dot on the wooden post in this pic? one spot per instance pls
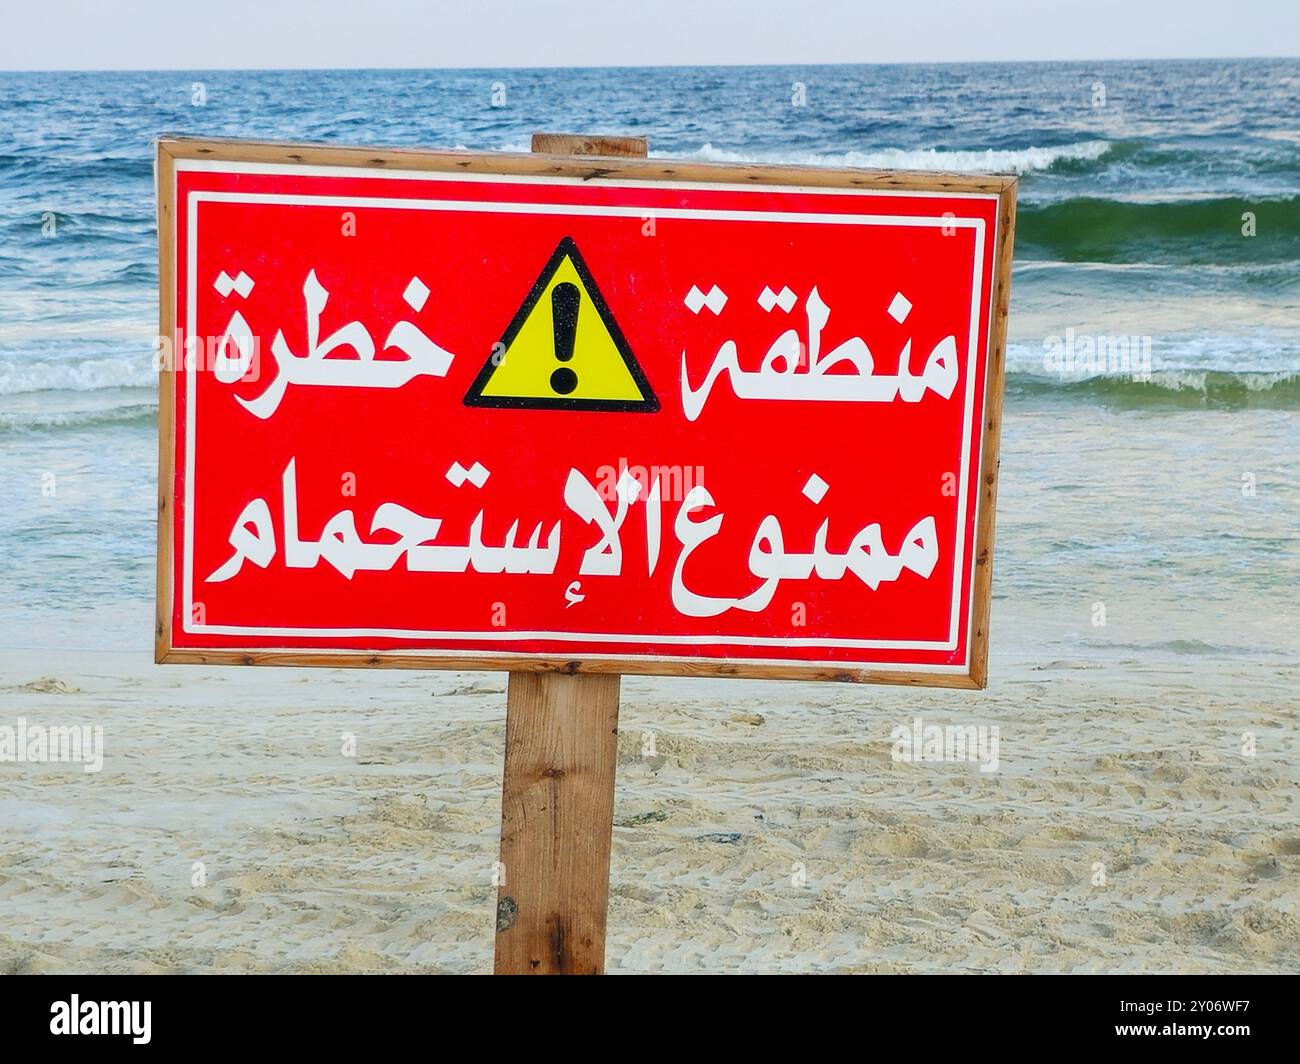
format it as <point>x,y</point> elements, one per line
<point>557,794</point>
<point>557,822</point>
<point>580,144</point>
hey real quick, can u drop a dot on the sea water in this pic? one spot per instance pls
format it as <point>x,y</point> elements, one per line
<point>1149,506</point>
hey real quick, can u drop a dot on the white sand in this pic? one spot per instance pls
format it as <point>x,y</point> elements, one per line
<point>319,862</point>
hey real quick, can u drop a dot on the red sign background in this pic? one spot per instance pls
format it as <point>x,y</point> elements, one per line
<point>478,242</point>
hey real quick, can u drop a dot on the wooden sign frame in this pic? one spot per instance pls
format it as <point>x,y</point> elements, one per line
<point>619,159</point>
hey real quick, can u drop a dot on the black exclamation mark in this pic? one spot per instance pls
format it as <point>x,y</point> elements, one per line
<point>565,298</point>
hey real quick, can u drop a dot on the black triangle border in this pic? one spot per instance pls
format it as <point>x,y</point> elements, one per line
<point>648,404</point>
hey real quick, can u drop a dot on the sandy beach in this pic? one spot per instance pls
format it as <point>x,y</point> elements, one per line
<point>316,862</point>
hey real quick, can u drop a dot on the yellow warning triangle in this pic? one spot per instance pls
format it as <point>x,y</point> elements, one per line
<point>563,350</point>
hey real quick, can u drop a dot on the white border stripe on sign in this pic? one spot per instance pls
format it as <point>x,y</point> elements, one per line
<point>581,210</point>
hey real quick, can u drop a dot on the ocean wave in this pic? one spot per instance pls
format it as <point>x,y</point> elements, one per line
<point>31,167</point>
<point>1013,160</point>
<point>86,375</point>
<point>1175,389</point>
<point>62,420</point>
<point>1188,647</point>
<point>1172,388</point>
<point>1201,230</point>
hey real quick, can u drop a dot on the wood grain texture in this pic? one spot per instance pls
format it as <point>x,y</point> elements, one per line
<point>411,659</point>
<point>991,427</point>
<point>166,176</point>
<point>525,165</point>
<point>578,144</point>
<point>557,821</point>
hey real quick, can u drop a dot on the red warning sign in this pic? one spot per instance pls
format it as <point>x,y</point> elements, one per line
<point>484,416</point>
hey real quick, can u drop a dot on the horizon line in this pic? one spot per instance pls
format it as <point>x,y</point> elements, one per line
<point>648,66</point>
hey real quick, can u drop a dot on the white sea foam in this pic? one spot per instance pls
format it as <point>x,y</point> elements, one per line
<point>78,417</point>
<point>1015,160</point>
<point>82,375</point>
<point>1179,360</point>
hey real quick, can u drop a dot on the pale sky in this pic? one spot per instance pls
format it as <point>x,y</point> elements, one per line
<point>221,34</point>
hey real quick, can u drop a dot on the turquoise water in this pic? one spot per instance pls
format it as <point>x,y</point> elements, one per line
<point>1159,218</point>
